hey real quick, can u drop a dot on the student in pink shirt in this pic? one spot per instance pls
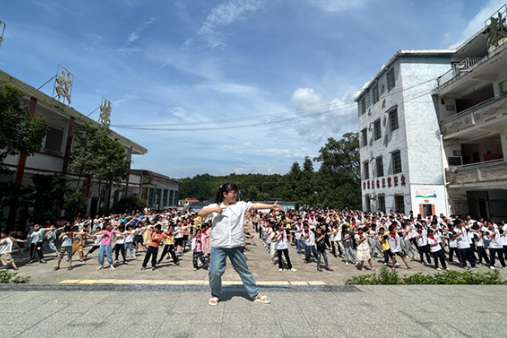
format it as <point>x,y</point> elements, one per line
<point>105,246</point>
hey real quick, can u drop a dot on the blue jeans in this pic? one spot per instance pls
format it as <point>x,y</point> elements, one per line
<point>309,250</point>
<point>217,269</point>
<point>266,240</point>
<point>300,245</point>
<point>349,253</point>
<point>322,254</point>
<point>105,249</point>
<point>129,245</point>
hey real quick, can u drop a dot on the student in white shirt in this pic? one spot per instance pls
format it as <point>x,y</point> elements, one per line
<point>422,244</point>
<point>5,250</point>
<point>478,234</point>
<point>465,251</point>
<point>281,248</point>
<point>309,238</point>
<point>453,243</point>
<point>436,249</point>
<point>495,246</point>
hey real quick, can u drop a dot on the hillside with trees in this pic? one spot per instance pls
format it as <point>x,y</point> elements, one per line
<point>336,184</point>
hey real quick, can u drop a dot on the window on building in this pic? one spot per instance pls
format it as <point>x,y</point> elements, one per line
<point>54,139</point>
<point>380,166</point>
<point>367,203</point>
<point>377,132</point>
<point>366,170</point>
<point>374,93</point>
<point>364,138</point>
<point>396,159</point>
<point>171,194</point>
<point>391,82</point>
<point>363,104</point>
<point>399,203</point>
<point>393,120</point>
<point>164,199</point>
<point>176,197</point>
<point>503,86</point>
<point>382,203</point>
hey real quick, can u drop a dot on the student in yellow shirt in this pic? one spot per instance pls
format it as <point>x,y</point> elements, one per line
<point>169,247</point>
<point>384,242</point>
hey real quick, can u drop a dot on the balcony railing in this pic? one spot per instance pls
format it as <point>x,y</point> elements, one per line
<point>458,70</point>
<point>491,171</point>
<point>478,114</point>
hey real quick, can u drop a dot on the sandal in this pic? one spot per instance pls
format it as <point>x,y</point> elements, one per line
<point>56,268</point>
<point>213,301</point>
<point>319,269</point>
<point>261,299</point>
<point>373,269</point>
<point>329,269</point>
<point>70,268</point>
<point>42,261</point>
<point>31,261</point>
<point>363,269</point>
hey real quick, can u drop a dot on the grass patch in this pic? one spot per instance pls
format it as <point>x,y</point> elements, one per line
<point>12,277</point>
<point>388,277</point>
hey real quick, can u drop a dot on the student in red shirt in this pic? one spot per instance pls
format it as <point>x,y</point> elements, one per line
<point>156,237</point>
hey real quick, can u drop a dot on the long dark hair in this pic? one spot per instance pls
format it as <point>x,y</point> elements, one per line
<point>227,187</point>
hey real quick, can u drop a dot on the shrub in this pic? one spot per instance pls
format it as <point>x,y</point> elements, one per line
<point>387,277</point>
<point>11,277</point>
<point>128,203</point>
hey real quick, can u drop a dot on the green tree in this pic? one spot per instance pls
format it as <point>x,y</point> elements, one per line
<point>96,157</point>
<point>18,132</point>
<point>339,175</point>
<point>290,192</point>
<point>50,193</point>
<point>306,186</point>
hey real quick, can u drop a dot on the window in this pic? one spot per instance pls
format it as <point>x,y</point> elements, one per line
<point>367,203</point>
<point>399,204</point>
<point>396,159</point>
<point>374,93</point>
<point>53,144</point>
<point>164,203</point>
<point>364,136</point>
<point>503,86</point>
<point>366,170</point>
<point>377,133</point>
<point>390,80</point>
<point>393,120</point>
<point>380,166</point>
<point>171,193</point>
<point>382,203</point>
<point>363,103</point>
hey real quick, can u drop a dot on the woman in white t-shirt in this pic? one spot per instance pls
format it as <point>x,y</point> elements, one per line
<point>479,243</point>
<point>227,238</point>
<point>281,248</point>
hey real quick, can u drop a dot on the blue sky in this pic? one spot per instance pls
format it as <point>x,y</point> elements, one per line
<point>285,71</point>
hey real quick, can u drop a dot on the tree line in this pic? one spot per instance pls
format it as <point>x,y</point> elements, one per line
<point>336,184</point>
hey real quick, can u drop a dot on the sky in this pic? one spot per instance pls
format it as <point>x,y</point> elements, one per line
<point>225,86</point>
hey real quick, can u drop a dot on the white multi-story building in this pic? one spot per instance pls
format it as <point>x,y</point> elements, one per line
<point>471,103</point>
<point>401,151</point>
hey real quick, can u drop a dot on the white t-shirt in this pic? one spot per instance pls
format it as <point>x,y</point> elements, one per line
<point>434,248</point>
<point>5,246</point>
<point>228,227</point>
<point>282,241</point>
<point>310,241</point>
<point>463,239</point>
<point>495,240</point>
<point>394,243</point>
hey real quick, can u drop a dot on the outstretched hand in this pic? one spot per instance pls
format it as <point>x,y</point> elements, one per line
<point>277,207</point>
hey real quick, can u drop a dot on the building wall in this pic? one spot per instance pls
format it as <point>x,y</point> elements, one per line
<point>417,137</point>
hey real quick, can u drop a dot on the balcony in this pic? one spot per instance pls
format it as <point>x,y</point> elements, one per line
<point>484,172</point>
<point>458,70</point>
<point>480,115</point>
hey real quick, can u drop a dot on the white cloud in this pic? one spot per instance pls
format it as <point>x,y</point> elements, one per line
<point>135,34</point>
<point>477,23</point>
<point>338,5</point>
<point>321,118</point>
<point>223,15</point>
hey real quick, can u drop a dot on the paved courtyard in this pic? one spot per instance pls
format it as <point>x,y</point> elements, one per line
<point>296,311</point>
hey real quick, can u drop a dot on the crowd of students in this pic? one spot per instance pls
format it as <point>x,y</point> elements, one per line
<point>394,237</point>
<point>356,236</point>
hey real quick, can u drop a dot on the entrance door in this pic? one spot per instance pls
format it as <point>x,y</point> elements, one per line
<point>427,210</point>
<point>93,207</point>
